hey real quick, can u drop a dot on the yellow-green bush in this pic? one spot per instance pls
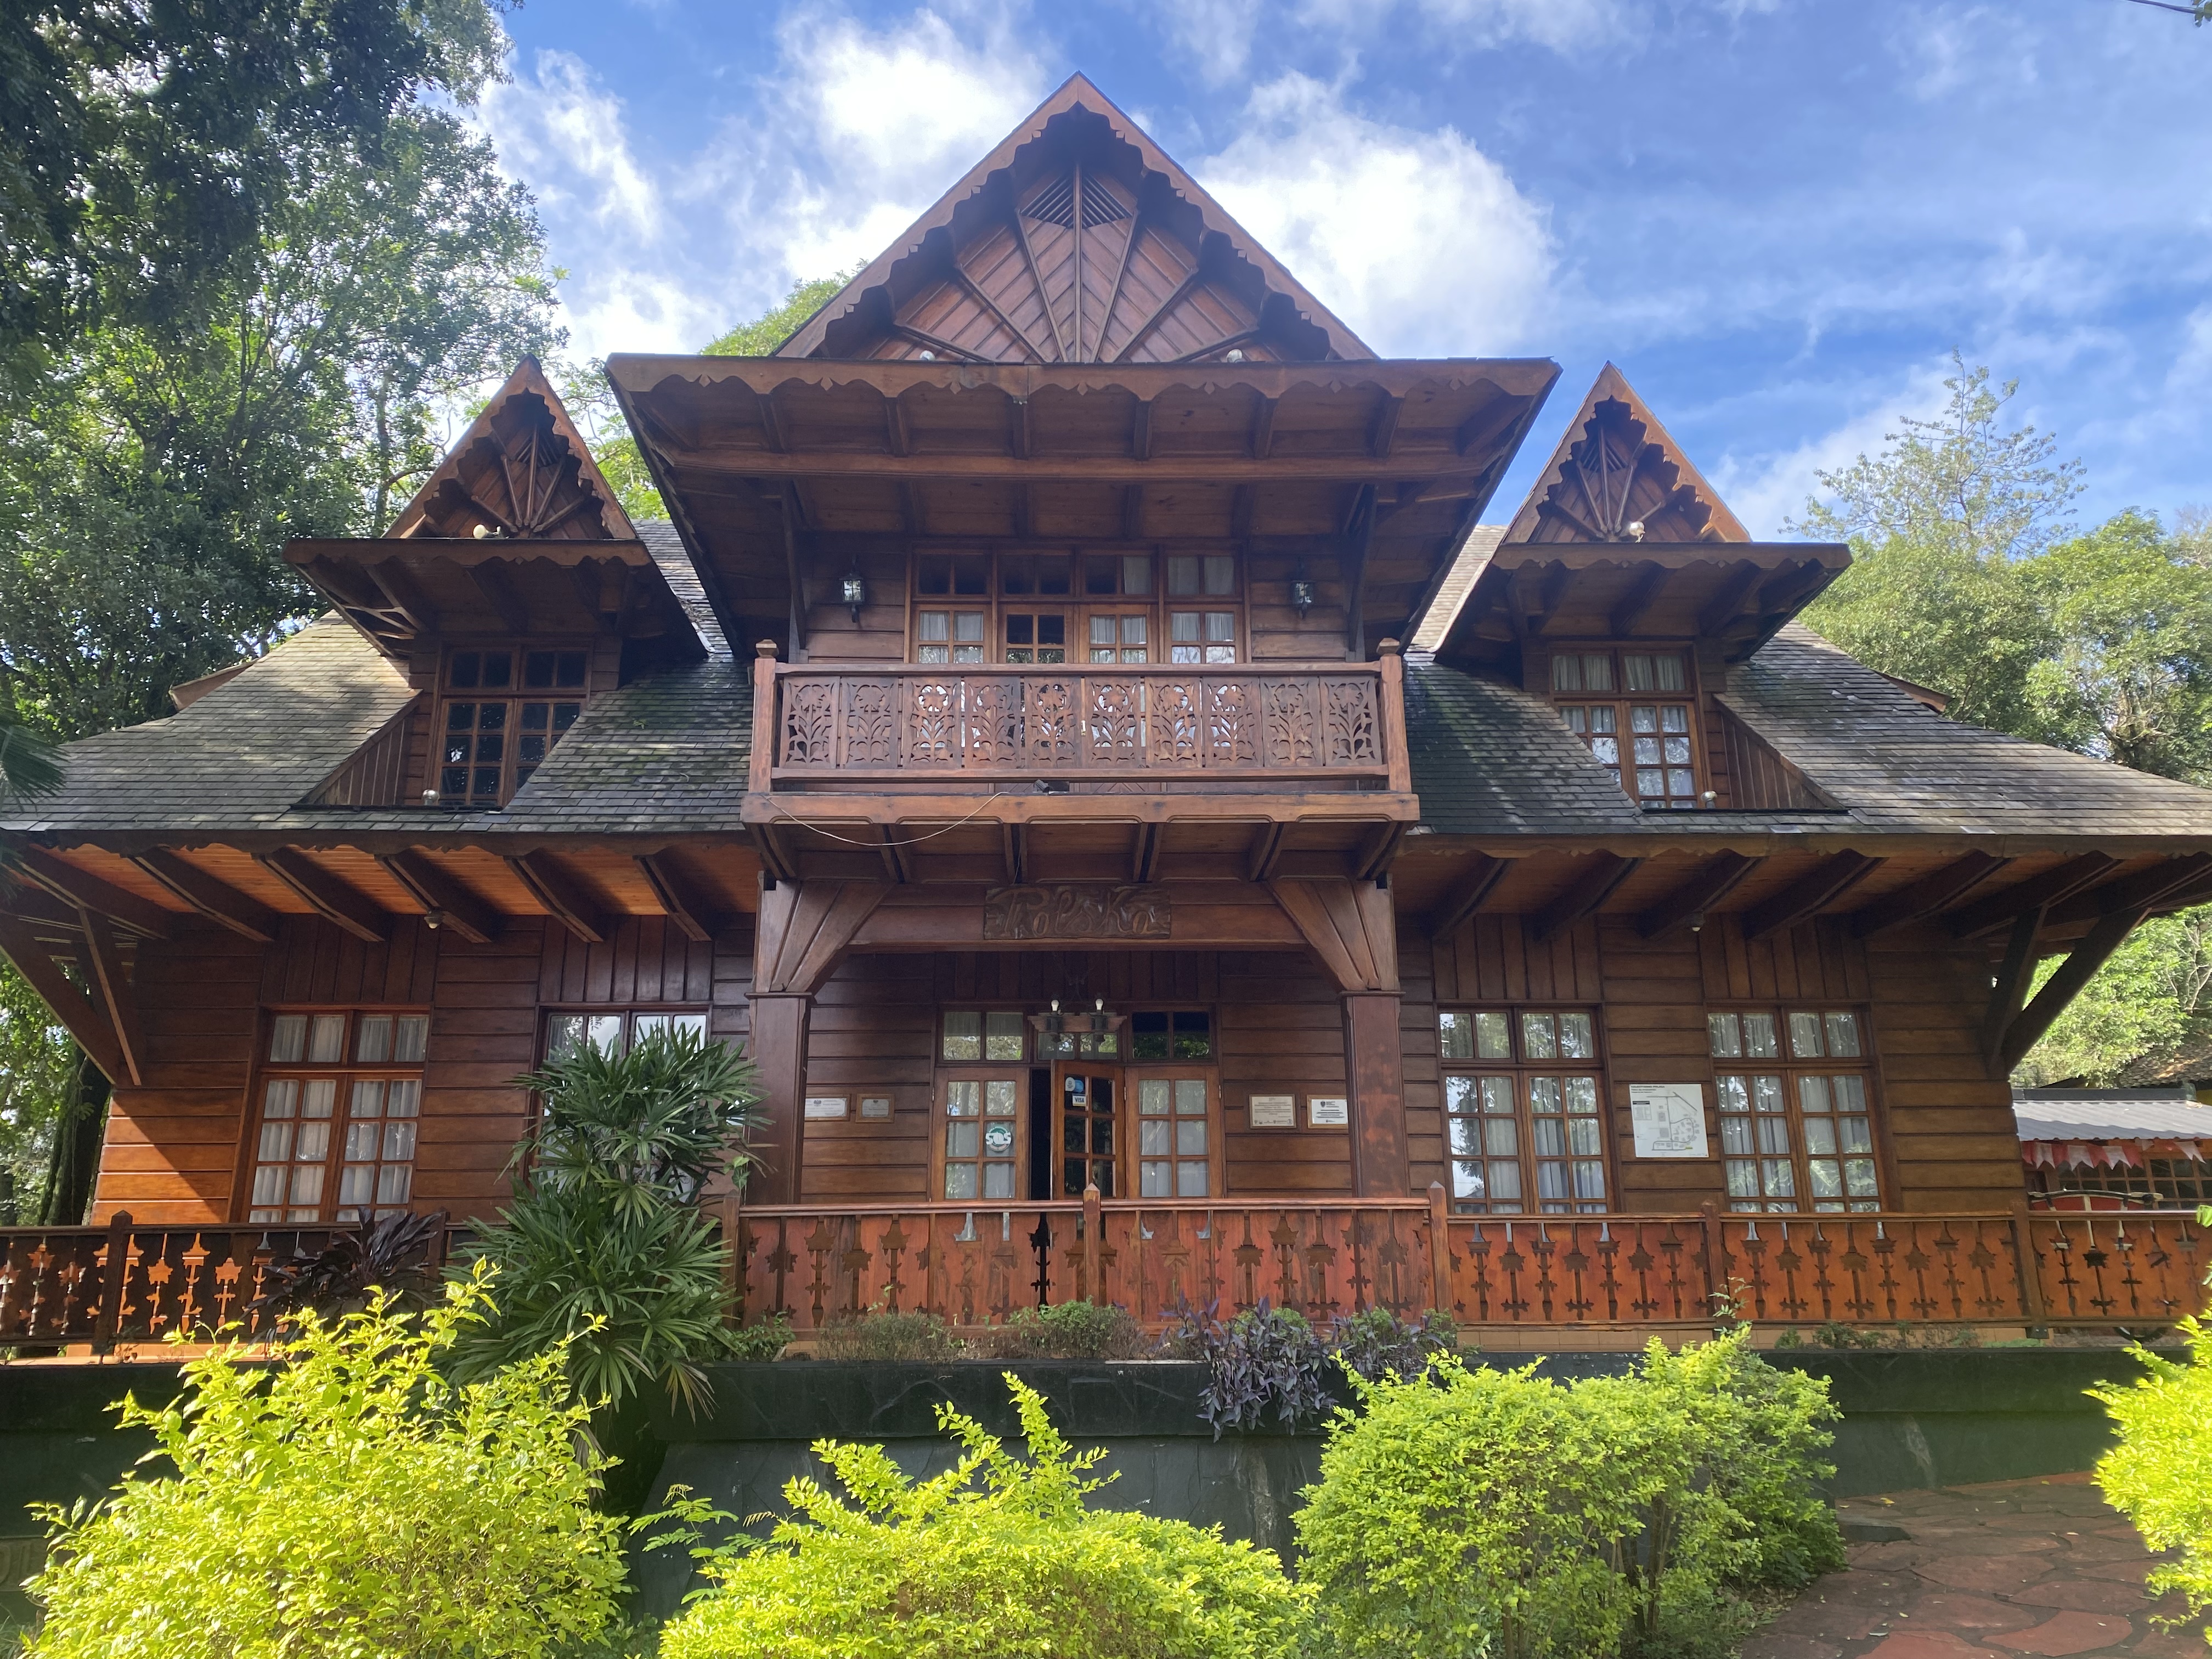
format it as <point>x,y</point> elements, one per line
<point>2156,1475</point>
<point>1496,1512</point>
<point>346,1503</point>
<point>997,1556</point>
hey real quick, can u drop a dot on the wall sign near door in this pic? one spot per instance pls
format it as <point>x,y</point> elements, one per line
<point>821,1106</point>
<point>1329,1112</point>
<point>1670,1119</point>
<point>1275,1111</point>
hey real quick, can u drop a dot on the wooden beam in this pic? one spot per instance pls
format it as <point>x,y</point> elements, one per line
<point>1145,854</point>
<point>1120,270</point>
<point>337,901</point>
<point>112,990</point>
<point>894,857</point>
<point>1466,893</point>
<point>1349,926</point>
<point>491,581</point>
<point>1986,915</point>
<point>446,902</point>
<point>2144,891</point>
<point>1140,431</point>
<point>399,586</point>
<point>1604,872</point>
<point>931,343</point>
<point>1013,848</point>
<point>1181,291</point>
<point>1697,893</point>
<point>212,896</point>
<point>1927,895</point>
<point>71,1005</point>
<point>1133,511</point>
<point>553,887</point>
<point>2010,986</point>
<point>1263,430</point>
<point>1360,538</point>
<point>681,900</point>
<point>89,892</point>
<point>1550,596</point>
<point>1370,860</point>
<point>898,431</point>
<point>1265,851</point>
<point>1823,884</point>
<point>2064,983</point>
<point>1037,275</point>
<point>1021,433</point>
<point>771,420</point>
<point>804,930</point>
<point>786,509</point>
<point>1489,423</point>
<point>1728,601</point>
<point>1382,431</point>
<point>1639,599</point>
<point>992,305</point>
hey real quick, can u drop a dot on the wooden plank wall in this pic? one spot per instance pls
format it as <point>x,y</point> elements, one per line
<point>1280,1031</point>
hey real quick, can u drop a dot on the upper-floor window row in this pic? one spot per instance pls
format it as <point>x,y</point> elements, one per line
<point>500,714</point>
<point>1049,609</point>
<point>1635,710</point>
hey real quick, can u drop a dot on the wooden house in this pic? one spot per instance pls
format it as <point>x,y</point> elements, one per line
<point>1010,738</point>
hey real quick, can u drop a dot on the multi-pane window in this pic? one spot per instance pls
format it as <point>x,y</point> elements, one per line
<point>615,1030</point>
<point>995,1033</point>
<point>1795,1131</point>
<point>1177,1034</point>
<point>496,731</point>
<point>982,1123</point>
<point>1521,1115</point>
<point>341,1095</point>
<point>1087,1133</point>
<point>1632,709</point>
<point>1046,609</point>
<point>1174,1136</point>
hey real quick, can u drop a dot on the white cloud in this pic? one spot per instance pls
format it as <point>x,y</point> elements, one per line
<point>1763,490</point>
<point>562,133</point>
<point>1215,35</point>
<point>1418,240</point>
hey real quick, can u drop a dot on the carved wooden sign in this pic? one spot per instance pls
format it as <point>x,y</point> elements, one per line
<point>1076,910</point>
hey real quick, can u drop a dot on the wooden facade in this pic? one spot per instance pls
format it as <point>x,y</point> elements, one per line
<point>1009,742</point>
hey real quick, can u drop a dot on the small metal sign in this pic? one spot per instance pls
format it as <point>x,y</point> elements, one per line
<point>1670,1119</point>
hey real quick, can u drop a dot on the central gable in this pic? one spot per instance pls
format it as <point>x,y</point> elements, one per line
<point>1078,239</point>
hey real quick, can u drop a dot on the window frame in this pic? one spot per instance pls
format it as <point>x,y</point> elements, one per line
<point>1791,1066</point>
<point>343,1073</point>
<point>1078,605</point>
<point>628,1012</point>
<point>514,695</point>
<point>1621,701</point>
<point>1132,1158</point>
<point>1524,1071</point>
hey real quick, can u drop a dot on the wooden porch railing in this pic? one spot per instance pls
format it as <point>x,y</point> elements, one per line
<point>973,1266</point>
<point>127,1284</point>
<point>1338,726</point>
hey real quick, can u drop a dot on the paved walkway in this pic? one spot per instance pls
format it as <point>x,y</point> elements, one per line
<point>2018,1568</point>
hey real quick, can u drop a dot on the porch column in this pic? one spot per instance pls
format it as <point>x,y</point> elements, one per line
<point>778,1051</point>
<point>1375,1073</point>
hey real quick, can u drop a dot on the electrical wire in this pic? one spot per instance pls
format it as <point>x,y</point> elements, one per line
<point>872,846</point>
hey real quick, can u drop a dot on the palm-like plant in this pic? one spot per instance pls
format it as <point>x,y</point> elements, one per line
<point>603,1246</point>
<point>30,767</point>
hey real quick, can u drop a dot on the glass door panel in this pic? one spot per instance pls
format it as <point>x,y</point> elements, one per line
<point>1086,1107</point>
<point>1176,1136</point>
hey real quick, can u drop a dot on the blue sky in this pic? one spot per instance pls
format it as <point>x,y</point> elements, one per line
<point>1778,216</point>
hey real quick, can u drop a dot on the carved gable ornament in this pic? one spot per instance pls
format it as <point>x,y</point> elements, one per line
<point>1077,910</point>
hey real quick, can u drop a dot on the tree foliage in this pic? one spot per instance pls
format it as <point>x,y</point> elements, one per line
<point>348,1502</point>
<point>2155,1475</point>
<point>997,1555</point>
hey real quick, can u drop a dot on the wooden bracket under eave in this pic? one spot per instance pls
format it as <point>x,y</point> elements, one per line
<point>75,1011</point>
<point>1349,926</point>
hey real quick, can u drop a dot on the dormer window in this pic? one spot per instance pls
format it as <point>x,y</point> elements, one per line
<point>1633,709</point>
<point>501,712</point>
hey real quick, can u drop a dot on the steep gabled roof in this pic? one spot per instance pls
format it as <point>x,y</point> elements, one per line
<point>521,470</point>
<point>1078,239</point>
<point>1617,466</point>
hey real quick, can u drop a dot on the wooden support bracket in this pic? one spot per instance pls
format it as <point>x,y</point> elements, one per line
<point>2064,983</point>
<point>569,903</point>
<point>1927,895</point>
<point>337,901</point>
<point>804,930</point>
<point>1823,884</point>
<point>112,993</point>
<point>87,891</point>
<point>1697,892</point>
<point>1591,888</point>
<point>71,1005</point>
<point>1465,896</point>
<point>212,896</point>
<point>446,902</point>
<point>1987,914</point>
<point>680,897</point>
<point>1349,926</point>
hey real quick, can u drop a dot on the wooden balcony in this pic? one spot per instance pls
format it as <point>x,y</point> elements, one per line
<point>1337,727</point>
<point>1523,1281</point>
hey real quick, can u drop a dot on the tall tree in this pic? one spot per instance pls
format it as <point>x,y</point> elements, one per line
<point>1936,524</point>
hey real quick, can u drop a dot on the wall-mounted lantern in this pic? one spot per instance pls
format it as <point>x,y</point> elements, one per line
<point>856,594</point>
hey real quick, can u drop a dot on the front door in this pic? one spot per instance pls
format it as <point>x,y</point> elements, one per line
<point>1087,1106</point>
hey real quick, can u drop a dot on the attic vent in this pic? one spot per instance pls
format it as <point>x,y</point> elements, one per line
<point>1054,205</point>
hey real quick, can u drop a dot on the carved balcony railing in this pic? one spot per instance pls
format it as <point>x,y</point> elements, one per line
<point>973,1267</point>
<point>1548,1276</point>
<point>1328,727</point>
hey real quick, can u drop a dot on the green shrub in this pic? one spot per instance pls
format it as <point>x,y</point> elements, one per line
<point>603,1250</point>
<point>1066,1330</point>
<point>996,1556</point>
<point>1474,1511</point>
<point>2155,1475</point>
<point>762,1341</point>
<point>1727,1447</point>
<point>882,1334</point>
<point>1497,1511</point>
<point>1377,1343</point>
<point>345,1502</point>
